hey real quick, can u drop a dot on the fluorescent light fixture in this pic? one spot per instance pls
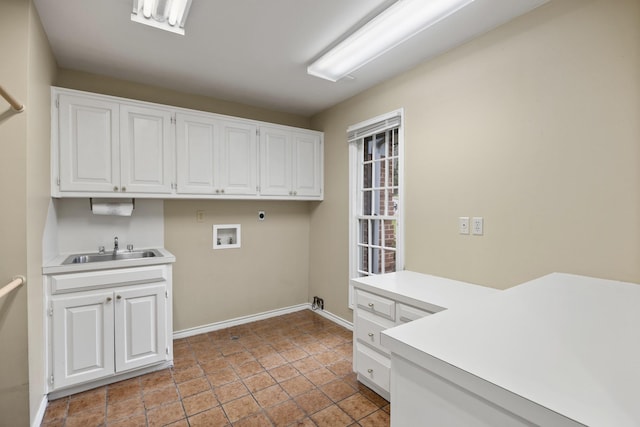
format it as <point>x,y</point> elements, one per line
<point>169,15</point>
<point>396,24</point>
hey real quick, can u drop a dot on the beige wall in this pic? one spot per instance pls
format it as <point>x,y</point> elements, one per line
<point>89,82</point>
<point>270,270</point>
<point>14,374</point>
<point>41,75</point>
<point>26,72</point>
<point>533,126</point>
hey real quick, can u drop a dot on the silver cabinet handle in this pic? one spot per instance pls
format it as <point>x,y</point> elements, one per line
<point>371,334</point>
<point>118,297</point>
<point>115,188</point>
<point>370,371</point>
<point>124,189</point>
<point>108,299</point>
<point>371,304</point>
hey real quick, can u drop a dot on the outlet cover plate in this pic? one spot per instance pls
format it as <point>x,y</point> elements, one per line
<point>463,225</point>
<point>477,226</point>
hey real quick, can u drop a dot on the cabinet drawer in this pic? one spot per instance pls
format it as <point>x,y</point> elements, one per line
<point>376,304</point>
<point>406,313</point>
<point>373,366</point>
<point>73,282</point>
<point>368,327</point>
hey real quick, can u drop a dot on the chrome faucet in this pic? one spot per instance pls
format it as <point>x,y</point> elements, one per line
<point>115,245</point>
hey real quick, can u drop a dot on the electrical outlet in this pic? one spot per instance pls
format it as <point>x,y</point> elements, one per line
<point>317,304</point>
<point>463,225</point>
<point>477,225</point>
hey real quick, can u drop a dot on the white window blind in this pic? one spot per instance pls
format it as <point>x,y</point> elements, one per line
<point>373,126</point>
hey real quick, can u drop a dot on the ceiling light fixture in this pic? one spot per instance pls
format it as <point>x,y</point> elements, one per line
<point>169,15</point>
<point>396,24</point>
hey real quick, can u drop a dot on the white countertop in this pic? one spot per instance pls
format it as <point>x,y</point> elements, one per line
<point>568,343</point>
<point>424,291</point>
<point>55,266</point>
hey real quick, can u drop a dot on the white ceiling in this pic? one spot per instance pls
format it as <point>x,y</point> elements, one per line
<point>249,51</point>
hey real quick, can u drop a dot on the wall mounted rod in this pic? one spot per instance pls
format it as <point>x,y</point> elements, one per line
<point>11,100</point>
<point>17,281</point>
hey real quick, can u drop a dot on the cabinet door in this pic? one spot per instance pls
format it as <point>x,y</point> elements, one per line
<point>239,150</point>
<point>88,144</point>
<point>197,154</point>
<point>82,337</point>
<point>140,326</point>
<point>308,164</point>
<point>275,164</point>
<point>145,153</point>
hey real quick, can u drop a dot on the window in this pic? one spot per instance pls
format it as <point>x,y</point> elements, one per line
<point>375,163</point>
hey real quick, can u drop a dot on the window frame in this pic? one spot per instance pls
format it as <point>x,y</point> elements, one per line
<point>354,191</point>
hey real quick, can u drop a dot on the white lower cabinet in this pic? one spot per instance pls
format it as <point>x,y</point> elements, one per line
<point>388,300</point>
<point>96,334</point>
<point>83,344</point>
<point>373,314</point>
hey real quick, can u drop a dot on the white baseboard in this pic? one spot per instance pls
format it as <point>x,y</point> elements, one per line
<point>335,319</point>
<point>255,317</point>
<point>37,421</point>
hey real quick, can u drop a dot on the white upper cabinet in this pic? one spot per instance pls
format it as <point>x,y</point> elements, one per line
<point>307,157</point>
<point>89,144</point>
<point>216,157</point>
<point>197,154</point>
<point>291,163</point>
<point>239,153</point>
<point>108,148</point>
<point>276,166</point>
<point>146,150</point>
<point>103,146</point>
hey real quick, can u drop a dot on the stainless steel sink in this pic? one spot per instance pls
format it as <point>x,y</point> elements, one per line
<point>110,256</point>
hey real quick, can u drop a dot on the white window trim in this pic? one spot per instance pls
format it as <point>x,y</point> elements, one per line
<point>353,182</point>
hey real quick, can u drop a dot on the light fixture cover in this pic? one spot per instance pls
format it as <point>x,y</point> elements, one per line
<point>169,15</point>
<point>396,24</point>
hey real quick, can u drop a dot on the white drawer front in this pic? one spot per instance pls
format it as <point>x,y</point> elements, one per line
<point>376,304</point>
<point>406,313</point>
<point>368,327</point>
<point>374,366</point>
<point>73,282</point>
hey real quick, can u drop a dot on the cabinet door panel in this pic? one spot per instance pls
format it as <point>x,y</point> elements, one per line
<point>140,330</point>
<point>145,150</point>
<point>276,165</point>
<point>307,164</point>
<point>89,144</point>
<point>82,338</point>
<point>240,158</point>
<point>197,148</point>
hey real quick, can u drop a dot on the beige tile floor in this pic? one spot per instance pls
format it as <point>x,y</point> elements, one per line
<point>291,370</point>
